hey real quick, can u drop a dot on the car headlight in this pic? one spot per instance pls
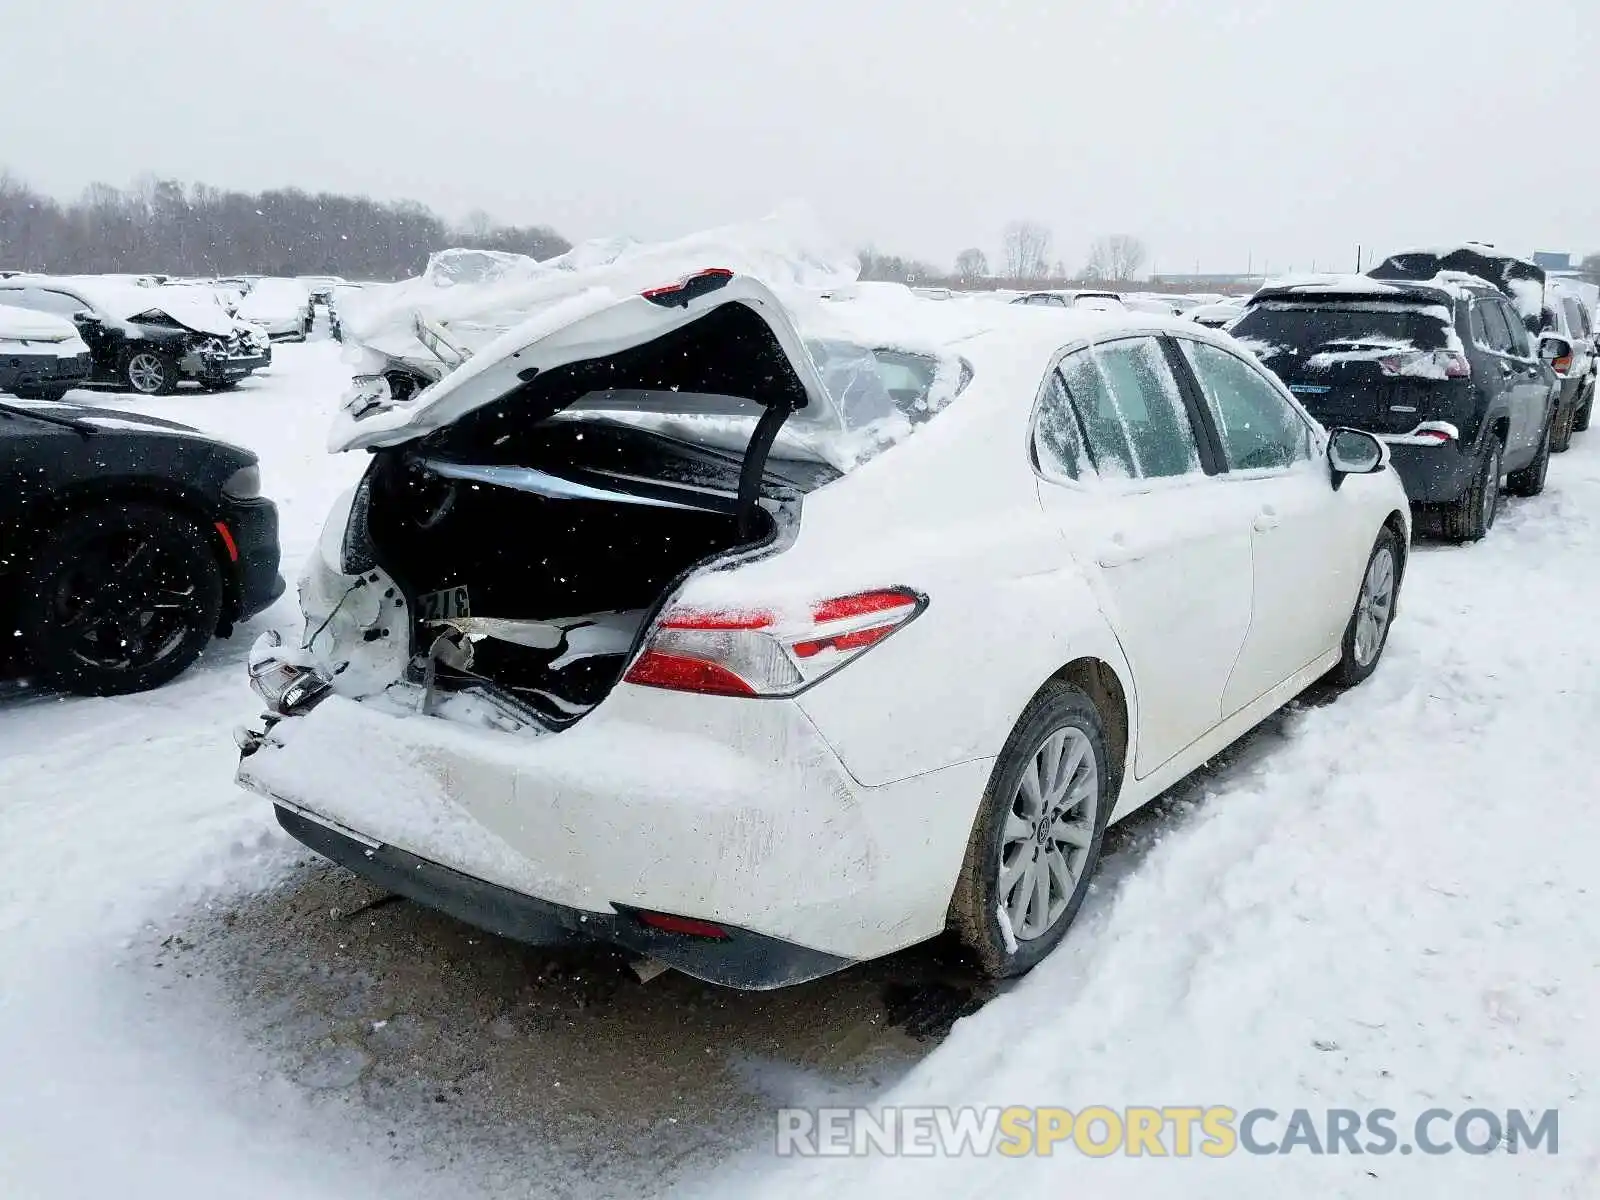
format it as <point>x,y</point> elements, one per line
<point>243,484</point>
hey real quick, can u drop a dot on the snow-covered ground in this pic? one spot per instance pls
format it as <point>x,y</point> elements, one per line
<point>1381,901</point>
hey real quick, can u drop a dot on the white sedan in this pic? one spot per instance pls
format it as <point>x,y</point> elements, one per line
<point>762,638</point>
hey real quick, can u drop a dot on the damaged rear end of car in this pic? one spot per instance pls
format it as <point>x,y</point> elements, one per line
<point>511,567</point>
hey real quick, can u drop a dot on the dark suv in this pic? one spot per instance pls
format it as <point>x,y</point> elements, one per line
<point>1445,372</point>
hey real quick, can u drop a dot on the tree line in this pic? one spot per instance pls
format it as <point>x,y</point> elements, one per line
<point>1025,260</point>
<point>161,225</point>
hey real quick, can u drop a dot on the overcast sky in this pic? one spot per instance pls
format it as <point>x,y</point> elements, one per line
<point>1278,132</point>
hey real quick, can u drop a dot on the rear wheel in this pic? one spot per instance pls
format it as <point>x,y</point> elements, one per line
<point>1530,480</point>
<point>1472,516</point>
<point>1037,839</point>
<point>120,599</point>
<point>1565,420</point>
<point>39,392</point>
<point>151,373</point>
<point>1368,631</point>
<point>1581,421</point>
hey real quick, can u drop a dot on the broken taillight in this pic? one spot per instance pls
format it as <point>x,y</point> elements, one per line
<point>690,287</point>
<point>759,652</point>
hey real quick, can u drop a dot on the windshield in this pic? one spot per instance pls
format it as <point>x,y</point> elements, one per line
<point>1275,330</point>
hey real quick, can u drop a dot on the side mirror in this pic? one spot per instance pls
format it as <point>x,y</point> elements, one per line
<point>1354,452</point>
<point>85,317</point>
<point>1553,348</point>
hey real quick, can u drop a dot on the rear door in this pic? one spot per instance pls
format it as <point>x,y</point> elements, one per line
<point>1126,475</point>
<point>1527,390</point>
<point>1304,535</point>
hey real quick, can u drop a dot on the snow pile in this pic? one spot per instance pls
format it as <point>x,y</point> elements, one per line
<point>476,296</point>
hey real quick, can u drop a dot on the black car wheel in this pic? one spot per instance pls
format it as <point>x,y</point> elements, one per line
<point>1581,421</point>
<point>39,392</point>
<point>1472,516</point>
<point>1037,839</point>
<point>151,373</point>
<point>1530,480</point>
<point>120,599</point>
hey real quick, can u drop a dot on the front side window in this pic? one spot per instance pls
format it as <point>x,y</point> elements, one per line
<point>1132,412</point>
<point>1577,319</point>
<point>1260,429</point>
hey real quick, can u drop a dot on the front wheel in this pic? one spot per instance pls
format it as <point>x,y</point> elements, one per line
<point>1038,835</point>
<point>120,599</point>
<point>1471,517</point>
<point>1368,631</point>
<point>1565,422</point>
<point>151,373</point>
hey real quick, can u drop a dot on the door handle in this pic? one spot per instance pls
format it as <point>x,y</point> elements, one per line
<point>1507,369</point>
<point>1118,553</point>
<point>1266,519</point>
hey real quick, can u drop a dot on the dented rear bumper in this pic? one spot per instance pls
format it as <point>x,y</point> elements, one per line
<point>713,809</point>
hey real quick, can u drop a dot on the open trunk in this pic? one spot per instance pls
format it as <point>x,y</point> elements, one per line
<point>537,534</point>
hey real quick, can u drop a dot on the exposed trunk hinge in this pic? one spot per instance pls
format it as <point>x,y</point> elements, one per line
<point>755,464</point>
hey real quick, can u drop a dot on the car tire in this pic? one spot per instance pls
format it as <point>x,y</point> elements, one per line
<point>1561,441</point>
<point>52,394</point>
<point>1529,481</point>
<point>1367,633</point>
<point>1581,421</point>
<point>106,580</point>
<point>150,373</point>
<point>1471,517</point>
<point>1003,862</point>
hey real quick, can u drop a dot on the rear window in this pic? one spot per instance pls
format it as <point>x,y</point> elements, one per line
<point>1279,329</point>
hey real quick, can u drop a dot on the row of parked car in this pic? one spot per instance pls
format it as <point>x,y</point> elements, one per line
<point>145,334</point>
<point>1472,365</point>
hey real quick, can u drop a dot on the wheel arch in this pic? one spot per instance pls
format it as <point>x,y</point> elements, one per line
<point>1099,680</point>
<point>185,502</point>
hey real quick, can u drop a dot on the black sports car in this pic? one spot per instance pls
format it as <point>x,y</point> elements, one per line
<point>147,339</point>
<point>126,543</point>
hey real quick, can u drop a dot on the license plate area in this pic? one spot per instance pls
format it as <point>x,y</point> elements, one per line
<point>447,604</point>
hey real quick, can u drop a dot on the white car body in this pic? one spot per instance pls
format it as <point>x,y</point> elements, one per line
<point>282,307</point>
<point>23,331</point>
<point>831,822</point>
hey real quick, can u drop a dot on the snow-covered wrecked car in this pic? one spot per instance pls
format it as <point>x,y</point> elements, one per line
<point>146,338</point>
<point>41,356</point>
<point>761,636</point>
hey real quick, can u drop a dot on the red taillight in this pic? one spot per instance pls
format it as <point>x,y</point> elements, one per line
<point>688,926</point>
<point>228,543</point>
<point>757,652</point>
<point>1426,364</point>
<point>1434,435</point>
<point>1561,365</point>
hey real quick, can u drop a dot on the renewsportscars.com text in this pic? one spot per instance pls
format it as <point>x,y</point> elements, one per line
<point>1169,1131</point>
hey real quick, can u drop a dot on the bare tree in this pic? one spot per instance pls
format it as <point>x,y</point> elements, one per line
<point>892,268</point>
<point>1026,248</point>
<point>1117,257</point>
<point>972,264</point>
<point>160,225</point>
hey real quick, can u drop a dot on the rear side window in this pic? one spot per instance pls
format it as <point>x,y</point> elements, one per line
<point>1515,328</point>
<point>1057,443</point>
<point>1493,315</point>
<point>1132,412</point>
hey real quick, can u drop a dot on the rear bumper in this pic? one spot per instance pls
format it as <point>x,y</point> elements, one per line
<point>1433,474</point>
<point>44,370</point>
<point>222,369</point>
<point>253,525</point>
<point>728,811</point>
<point>739,959</point>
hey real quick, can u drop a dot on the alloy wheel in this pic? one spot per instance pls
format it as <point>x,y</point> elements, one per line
<point>127,602</point>
<point>1375,607</point>
<point>146,373</point>
<point>1044,849</point>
